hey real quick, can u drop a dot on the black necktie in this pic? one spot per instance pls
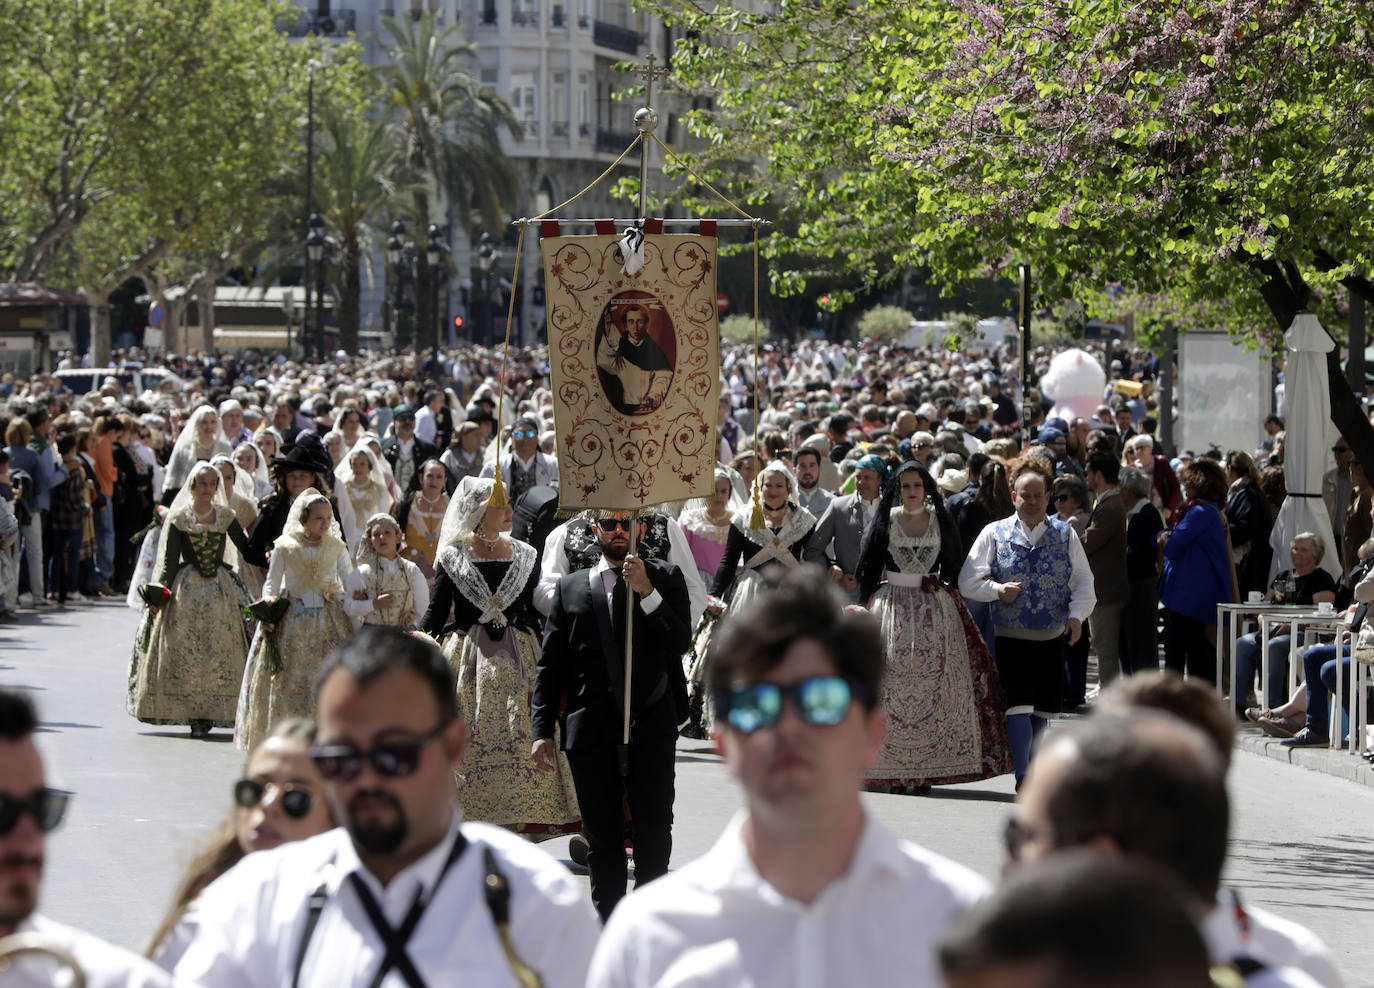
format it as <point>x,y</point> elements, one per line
<point>619,593</point>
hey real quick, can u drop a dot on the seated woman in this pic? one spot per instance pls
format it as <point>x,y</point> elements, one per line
<point>279,799</point>
<point>1304,585</point>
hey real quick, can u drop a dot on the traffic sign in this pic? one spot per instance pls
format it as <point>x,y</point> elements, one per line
<point>722,302</point>
<point>155,315</point>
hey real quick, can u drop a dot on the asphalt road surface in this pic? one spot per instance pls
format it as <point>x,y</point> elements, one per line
<point>1302,843</point>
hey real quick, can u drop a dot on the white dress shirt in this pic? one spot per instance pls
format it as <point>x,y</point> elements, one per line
<point>1294,954</point>
<point>647,604</point>
<point>553,566</point>
<point>260,913</point>
<point>976,582</point>
<point>716,921</point>
<point>426,425</point>
<point>104,964</point>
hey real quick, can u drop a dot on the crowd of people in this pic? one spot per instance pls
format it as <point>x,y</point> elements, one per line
<point>991,555</point>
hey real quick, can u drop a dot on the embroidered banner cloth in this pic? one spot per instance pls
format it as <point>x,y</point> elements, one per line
<point>635,367</point>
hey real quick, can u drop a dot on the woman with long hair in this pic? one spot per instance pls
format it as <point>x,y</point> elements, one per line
<point>310,565</point>
<point>483,584</point>
<point>1248,515</point>
<point>940,688</point>
<point>1197,570</point>
<point>990,503</point>
<point>280,799</point>
<point>189,655</point>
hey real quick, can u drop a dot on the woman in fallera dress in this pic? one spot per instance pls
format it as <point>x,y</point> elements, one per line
<point>359,478</point>
<point>201,438</point>
<point>707,527</point>
<point>309,567</point>
<point>239,485</point>
<point>189,656</point>
<point>482,587</point>
<point>945,721</point>
<point>770,551</point>
<point>386,588</point>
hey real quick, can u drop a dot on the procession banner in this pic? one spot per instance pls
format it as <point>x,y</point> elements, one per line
<point>635,367</point>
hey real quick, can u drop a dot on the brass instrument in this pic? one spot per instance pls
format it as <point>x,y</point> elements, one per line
<point>18,944</point>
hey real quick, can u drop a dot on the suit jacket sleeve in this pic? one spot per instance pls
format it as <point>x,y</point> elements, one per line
<point>672,618</point>
<point>548,679</point>
<point>820,537</point>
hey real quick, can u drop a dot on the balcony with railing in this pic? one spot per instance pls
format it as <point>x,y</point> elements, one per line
<point>559,129</point>
<point>526,16</point>
<point>559,19</point>
<point>615,37</point>
<point>488,14</point>
<point>335,24</point>
<point>614,141</point>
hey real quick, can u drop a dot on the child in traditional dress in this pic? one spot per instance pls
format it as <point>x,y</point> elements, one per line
<point>386,588</point>
<point>309,567</point>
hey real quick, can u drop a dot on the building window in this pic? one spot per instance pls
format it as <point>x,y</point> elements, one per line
<point>523,101</point>
<point>488,11</point>
<point>558,105</point>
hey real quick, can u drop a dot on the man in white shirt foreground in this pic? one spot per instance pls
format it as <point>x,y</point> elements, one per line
<point>1146,786</point>
<point>803,888</point>
<point>396,895</point>
<point>30,809</point>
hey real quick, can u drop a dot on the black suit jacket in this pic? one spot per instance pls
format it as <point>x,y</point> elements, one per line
<point>582,660</point>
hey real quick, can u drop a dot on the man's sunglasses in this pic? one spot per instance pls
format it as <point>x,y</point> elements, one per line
<point>1062,497</point>
<point>1340,449</point>
<point>295,800</point>
<point>611,524</point>
<point>819,700</point>
<point>45,805</point>
<point>524,434</point>
<point>342,763</point>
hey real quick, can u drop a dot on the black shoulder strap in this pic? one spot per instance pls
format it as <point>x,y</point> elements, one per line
<point>314,906</point>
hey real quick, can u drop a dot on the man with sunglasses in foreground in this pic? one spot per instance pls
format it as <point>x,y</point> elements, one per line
<point>401,893</point>
<point>30,809</point>
<point>584,660</point>
<point>803,888</point>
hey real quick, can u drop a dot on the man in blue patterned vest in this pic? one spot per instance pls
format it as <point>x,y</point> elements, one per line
<point>1033,570</point>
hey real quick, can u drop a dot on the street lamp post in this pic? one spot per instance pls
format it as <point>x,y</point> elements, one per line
<point>310,66</point>
<point>314,249</point>
<point>395,254</point>
<point>488,255</point>
<point>434,252</point>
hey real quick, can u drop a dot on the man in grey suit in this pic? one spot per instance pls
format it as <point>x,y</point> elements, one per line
<point>835,541</point>
<point>810,494</point>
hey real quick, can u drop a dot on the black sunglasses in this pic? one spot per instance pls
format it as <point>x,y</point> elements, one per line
<point>1015,836</point>
<point>343,763</point>
<point>611,524</point>
<point>819,700</point>
<point>45,805</point>
<point>295,800</point>
<point>1063,497</point>
<point>1340,449</point>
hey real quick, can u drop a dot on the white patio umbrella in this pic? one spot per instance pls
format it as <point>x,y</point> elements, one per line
<point>1305,443</point>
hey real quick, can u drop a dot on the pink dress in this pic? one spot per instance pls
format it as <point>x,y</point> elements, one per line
<point>706,539</point>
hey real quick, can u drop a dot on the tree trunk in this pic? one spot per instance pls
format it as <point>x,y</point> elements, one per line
<point>205,313</point>
<point>100,330</point>
<point>350,300</point>
<point>174,339</point>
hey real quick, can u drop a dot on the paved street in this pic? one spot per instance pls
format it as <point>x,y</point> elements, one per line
<point>1302,842</point>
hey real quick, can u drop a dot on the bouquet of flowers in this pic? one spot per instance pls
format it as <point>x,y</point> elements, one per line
<point>155,595</point>
<point>269,611</point>
<point>159,516</point>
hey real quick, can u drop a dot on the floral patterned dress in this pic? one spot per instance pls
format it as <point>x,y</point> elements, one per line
<point>945,721</point>
<point>189,656</point>
<point>494,653</point>
<point>313,578</point>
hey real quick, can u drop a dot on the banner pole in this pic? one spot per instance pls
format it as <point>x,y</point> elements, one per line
<point>629,652</point>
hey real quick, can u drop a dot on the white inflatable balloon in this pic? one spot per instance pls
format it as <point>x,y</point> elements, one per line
<point>1075,383</point>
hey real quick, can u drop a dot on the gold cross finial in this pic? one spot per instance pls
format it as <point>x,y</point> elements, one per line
<point>649,73</point>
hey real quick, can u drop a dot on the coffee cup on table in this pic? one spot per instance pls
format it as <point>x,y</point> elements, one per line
<point>1255,596</point>
<point>1326,608</point>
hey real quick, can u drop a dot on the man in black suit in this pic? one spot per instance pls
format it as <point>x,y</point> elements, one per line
<point>584,659</point>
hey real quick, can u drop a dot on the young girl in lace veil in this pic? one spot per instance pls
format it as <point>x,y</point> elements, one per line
<point>201,438</point>
<point>239,485</point>
<point>940,688</point>
<point>359,478</point>
<point>188,659</point>
<point>386,588</point>
<point>251,460</point>
<point>482,588</point>
<point>309,566</point>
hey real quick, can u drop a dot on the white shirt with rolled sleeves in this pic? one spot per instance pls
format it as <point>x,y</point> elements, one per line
<point>976,582</point>
<point>253,918</point>
<point>716,921</point>
<point>553,566</point>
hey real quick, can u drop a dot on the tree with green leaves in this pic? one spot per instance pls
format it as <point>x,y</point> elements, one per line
<point>139,133</point>
<point>447,128</point>
<point>1214,152</point>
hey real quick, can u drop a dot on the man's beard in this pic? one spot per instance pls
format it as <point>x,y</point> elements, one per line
<point>808,488</point>
<point>373,837</point>
<point>18,899</point>
<point>616,553</point>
